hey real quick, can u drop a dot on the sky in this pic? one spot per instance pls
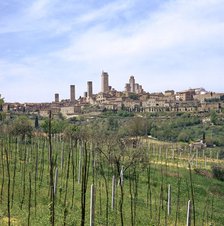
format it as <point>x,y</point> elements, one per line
<point>46,45</point>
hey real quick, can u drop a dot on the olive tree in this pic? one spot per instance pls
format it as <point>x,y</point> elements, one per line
<point>21,127</point>
<point>1,102</point>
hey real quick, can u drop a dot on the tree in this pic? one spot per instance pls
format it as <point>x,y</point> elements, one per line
<point>136,127</point>
<point>2,116</point>
<point>57,126</point>
<point>116,150</point>
<point>1,102</point>
<point>112,123</point>
<point>214,117</point>
<point>72,132</point>
<point>36,122</point>
<point>22,127</point>
<point>133,96</point>
<point>184,136</point>
<point>218,172</point>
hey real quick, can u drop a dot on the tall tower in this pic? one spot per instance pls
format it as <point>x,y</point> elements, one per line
<point>136,88</point>
<point>85,94</point>
<point>132,84</point>
<point>72,93</point>
<point>89,89</point>
<point>56,98</point>
<point>127,87</point>
<point>104,82</point>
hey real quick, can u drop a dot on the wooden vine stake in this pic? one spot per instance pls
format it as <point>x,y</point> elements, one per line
<point>92,205</point>
<point>55,181</point>
<point>122,176</point>
<point>189,213</point>
<point>113,193</point>
<point>169,200</point>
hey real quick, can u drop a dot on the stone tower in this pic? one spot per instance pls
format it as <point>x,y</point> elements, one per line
<point>56,98</point>
<point>89,89</point>
<point>127,87</point>
<point>72,93</point>
<point>104,82</point>
<point>132,84</point>
<point>136,88</point>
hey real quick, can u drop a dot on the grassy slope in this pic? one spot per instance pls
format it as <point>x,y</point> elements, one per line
<point>206,192</point>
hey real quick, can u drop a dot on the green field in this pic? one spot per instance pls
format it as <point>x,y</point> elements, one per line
<point>26,178</point>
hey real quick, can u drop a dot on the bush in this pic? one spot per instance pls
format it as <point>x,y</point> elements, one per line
<point>221,154</point>
<point>122,113</point>
<point>2,116</point>
<point>184,136</point>
<point>218,172</point>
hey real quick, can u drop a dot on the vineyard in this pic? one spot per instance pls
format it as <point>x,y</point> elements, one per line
<point>87,181</point>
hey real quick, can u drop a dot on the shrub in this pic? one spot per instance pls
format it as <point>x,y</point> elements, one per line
<point>221,154</point>
<point>123,113</point>
<point>218,172</point>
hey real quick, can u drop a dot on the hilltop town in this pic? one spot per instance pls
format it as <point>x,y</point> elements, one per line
<point>134,99</point>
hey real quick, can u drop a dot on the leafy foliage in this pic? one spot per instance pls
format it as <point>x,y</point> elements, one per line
<point>2,116</point>
<point>221,154</point>
<point>123,113</point>
<point>1,102</point>
<point>136,127</point>
<point>218,172</point>
<point>22,127</point>
<point>175,129</point>
<point>36,124</point>
<point>214,117</point>
<point>133,96</point>
<point>58,126</point>
<point>72,132</point>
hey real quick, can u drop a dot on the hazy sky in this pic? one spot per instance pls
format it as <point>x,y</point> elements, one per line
<point>46,45</point>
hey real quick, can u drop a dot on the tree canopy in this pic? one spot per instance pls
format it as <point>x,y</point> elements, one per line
<point>22,127</point>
